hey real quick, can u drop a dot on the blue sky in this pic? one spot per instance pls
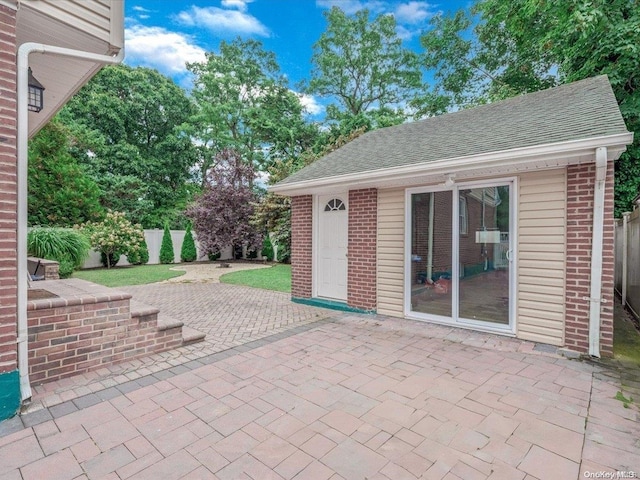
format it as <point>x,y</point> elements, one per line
<point>165,34</point>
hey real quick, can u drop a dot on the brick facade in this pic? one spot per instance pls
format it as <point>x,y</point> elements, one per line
<point>362,247</point>
<point>580,190</point>
<point>8,191</point>
<point>301,246</point>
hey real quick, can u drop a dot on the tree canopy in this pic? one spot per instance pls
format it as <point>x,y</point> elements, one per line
<point>527,45</point>
<point>363,67</point>
<point>130,125</point>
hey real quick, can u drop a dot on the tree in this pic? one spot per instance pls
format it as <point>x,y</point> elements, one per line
<point>166,247</point>
<point>188,253</point>
<point>364,68</point>
<point>243,103</point>
<point>60,191</point>
<point>267,248</point>
<point>129,126</point>
<point>525,45</point>
<point>221,213</point>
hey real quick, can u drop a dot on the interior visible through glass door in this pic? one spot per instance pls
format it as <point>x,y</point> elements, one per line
<point>483,253</point>
<point>431,254</point>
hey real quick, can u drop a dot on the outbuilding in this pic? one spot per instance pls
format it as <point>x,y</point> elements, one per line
<point>497,218</point>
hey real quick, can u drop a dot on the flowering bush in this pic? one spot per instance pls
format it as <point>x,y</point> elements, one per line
<point>114,236</point>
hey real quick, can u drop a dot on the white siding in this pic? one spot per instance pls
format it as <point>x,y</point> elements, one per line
<point>541,256</point>
<point>391,252</point>
<point>91,16</point>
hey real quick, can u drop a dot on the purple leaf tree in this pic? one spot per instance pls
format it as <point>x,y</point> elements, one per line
<point>221,213</point>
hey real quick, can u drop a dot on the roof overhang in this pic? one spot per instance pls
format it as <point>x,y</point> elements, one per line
<point>492,164</point>
<point>62,76</point>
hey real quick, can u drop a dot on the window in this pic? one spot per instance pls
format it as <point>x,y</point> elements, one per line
<point>464,218</point>
<point>334,205</point>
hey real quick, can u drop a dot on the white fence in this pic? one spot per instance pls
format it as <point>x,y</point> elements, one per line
<point>627,270</point>
<point>154,241</point>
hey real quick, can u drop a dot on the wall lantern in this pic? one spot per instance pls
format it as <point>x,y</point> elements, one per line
<point>36,94</point>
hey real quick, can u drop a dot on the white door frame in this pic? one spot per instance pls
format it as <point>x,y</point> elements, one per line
<point>455,233</point>
<point>317,210</point>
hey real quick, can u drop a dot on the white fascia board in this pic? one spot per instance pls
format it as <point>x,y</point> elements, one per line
<point>517,159</point>
<point>12,4</point>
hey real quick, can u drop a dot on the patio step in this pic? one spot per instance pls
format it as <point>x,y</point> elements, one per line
<point>146,312</point>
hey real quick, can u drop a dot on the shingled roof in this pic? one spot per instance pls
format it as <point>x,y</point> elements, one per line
<point>575,111</point>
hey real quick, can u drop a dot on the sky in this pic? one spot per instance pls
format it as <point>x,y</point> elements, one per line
<point>164,34</point>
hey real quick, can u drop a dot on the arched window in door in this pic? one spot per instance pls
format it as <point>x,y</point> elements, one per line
<point>335,205</point>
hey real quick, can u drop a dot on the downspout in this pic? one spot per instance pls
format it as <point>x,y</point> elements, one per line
<point>625,251</point>
<point>23,140</point>
<point>595,296</point>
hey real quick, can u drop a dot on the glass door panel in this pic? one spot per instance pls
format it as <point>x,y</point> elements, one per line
<point>483,254</point>
<point>431,253</point>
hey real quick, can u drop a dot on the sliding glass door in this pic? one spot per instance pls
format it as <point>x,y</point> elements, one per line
<point>459,262</point>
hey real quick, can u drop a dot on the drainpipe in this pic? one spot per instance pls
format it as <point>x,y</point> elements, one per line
<point>595,297</point>
<point>23,138</point>
<point>430,240</point>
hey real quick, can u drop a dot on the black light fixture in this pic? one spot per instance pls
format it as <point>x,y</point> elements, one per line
<point>36,94</point>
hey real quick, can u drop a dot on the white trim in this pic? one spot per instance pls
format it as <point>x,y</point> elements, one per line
<point>509,161</point>
<point>12,5</point>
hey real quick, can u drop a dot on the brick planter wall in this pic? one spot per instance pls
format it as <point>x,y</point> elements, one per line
<point>301,246</point>
<point>76,335</point>
<point>8,191</point>
<point>362,248</point>
<point>580,189</point>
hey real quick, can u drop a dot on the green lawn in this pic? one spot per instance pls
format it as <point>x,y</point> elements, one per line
<point>276,278</point>
<point>122,276</point>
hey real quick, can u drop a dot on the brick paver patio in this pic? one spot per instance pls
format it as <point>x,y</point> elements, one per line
<point>336,396</point>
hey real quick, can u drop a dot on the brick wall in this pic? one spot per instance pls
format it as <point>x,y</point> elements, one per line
<point>362,247</point>
<point>301,244</point>
<point>8,190</point>
<point>580,189</point>
<point>69,337</point>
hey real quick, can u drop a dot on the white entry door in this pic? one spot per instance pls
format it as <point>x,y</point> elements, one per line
<point>331,254</point>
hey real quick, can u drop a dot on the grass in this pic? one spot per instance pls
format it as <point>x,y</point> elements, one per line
<point>122,276</point>
<point>276,278</point>
<point>626,338</point>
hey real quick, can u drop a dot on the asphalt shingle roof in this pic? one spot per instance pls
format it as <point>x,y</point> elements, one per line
<point>575,111</point>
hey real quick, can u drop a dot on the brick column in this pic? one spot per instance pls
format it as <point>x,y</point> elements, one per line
<point>362,260</point>
<point>301,244</point>
<point>9,383</point>
<point>580,189</point>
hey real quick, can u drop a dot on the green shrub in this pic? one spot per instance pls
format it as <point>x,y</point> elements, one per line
<point>267,248</point>
<point>188,252</point>
<point>284,254</point>
<point>67,246</point>
<point>214,256</point>
<point>166,248</point>
<point>114,236</point>
<point>140,256</point>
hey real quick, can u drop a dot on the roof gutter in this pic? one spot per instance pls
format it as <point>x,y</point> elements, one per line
<point>595,296</point>
<point>515,156</point>
<point>22,202</point>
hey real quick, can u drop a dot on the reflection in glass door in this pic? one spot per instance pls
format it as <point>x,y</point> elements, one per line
<point>459,266</point>
<point>483,254</point>
<point>431,235</point>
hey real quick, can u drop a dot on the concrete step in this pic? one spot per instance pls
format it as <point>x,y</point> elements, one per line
<point>165,322</point>
<point>191,335</point>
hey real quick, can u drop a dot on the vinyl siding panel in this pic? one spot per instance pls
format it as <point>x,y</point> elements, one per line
<point>541,256</point>
<point>391,252</point>
<point>90,16</point>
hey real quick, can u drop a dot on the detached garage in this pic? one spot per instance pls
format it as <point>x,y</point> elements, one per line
<point>497,218</point>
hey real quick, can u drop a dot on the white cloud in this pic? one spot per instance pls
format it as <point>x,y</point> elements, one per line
<point>310,104</point>
<point>162,49</point>
<point>143,16</point>
<point>237,4</point>
<point>352,6</point>
<point>223,21</point>
<point>138,8</point>
<point>413,12</point>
